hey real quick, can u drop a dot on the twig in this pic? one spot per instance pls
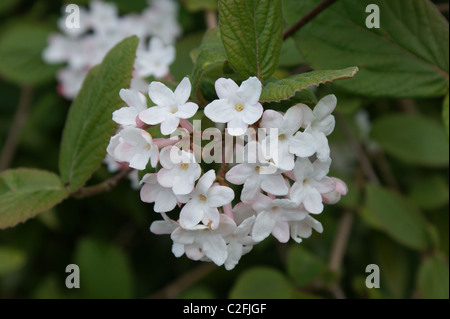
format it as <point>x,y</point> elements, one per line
<point>211,19</point>
<point>385,170</point>
<point>174,289</point>
<point>363,159</point>
<point>311,15</point>
<point>9,149</point>
<point>102,187</point>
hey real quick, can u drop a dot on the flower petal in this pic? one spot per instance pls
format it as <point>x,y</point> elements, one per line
<point>170,124</point>
<point>226,88</point>
<point>215,249</point>
<point>191,214</point>
<point>205,182</point>
<point>183,91</point>
<point>274,184</point>
<point>281,232</point>
<point>263,226</point>
<point>250,91</point>
<point>272,119</point>
<point>239,174</point>
<point>325,107</point>
<point>219,196</point>
<point>160,94</point>
<point>186,110</point>
<point>292,120</point>
<point>125,116</point>
<point>252,113</point>
<point>153,115</point>
<point>219,111</point>
<point>134,98</point>
<point>302,144</point>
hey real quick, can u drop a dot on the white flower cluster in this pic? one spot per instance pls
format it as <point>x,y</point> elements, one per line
<point>101,28</point>
<point>280,203</point>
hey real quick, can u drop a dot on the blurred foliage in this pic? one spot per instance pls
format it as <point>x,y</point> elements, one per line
<point>396,108</point>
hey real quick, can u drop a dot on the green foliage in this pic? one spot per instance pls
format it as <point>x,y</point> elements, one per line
<point>10,259</point>
<point>397,217</point>
<point>303,267</point>
<point>104,271</point>
<point>412,139</point>
<point>197,5</point>
<point>21,48</point>
<point>252,34</point>
<point>259,283</point>
<point>431,192</point>
<point>26,192</point>
<point>286,88</point>
<point>445,113</point>
<point>211,54</point>
<point>433,279</point>
<point>89,124</point>
<point>407,57</point>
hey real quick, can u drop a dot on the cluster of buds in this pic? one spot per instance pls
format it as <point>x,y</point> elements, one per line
<point>281,160</point>
<point>100,29</point>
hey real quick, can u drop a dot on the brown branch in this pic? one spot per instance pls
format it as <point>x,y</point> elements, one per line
<point>102,187</point>
<point>362,156</point>
<point>211,19</point>
<point>12,140</point>
<point>308,17</point>
<point>174,289</point>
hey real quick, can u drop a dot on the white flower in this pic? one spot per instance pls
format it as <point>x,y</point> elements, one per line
<point>170,106</point>
<point>311,182</point>
<point>203,243</point>
<point>152,192</point>
<point>161,20</point>
<point>254,177</point>
<point>103,17</point>
<point>70,81</point>
<point>335,195</point>
<point>136,103</point>
<point>303,228</point>
<point>236,106</point>
<point>320,123</point>
<point>134,146</point>
<point>274,216</point>
<point>154,61</point>
<point>179,170</point>
<point>239,242</point>
<point>205,199</point>
<point>290,141</point>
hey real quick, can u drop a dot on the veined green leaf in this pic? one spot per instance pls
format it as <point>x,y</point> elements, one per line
<point>26,192</point>
<point>285,89</point>
<point>89,124</point>
<point>412,139</point>
<point>408,56</point>
<point>252,34</point>
<point>397,217</point>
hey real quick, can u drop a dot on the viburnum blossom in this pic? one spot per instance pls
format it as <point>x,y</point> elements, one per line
<point>170,106</point>
<point>284,172</point>
<point>101,28</point>
<point>237,106</point>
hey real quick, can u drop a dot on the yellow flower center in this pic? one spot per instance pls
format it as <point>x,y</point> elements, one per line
<point>202,197</point>
<point>281,137</point>
<point>239,107</point>
<point>184,166</point>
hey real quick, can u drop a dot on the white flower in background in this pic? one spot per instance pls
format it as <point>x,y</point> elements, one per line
<point>320,123</point>
<point>101,29</point>
<point>254,178</point>
<point>179,172</point>
<point>136,103</point>
<point>204,203</point>
<point>303,228</point>
<point>311,182</point>
<point>290,141</point>
<point>155,60</point>
<point>204,243</point>
<point>134,146</point>
<point>236,106</point>
<point>273,217</point>
<point>152,192</point>
<point>170,106</point>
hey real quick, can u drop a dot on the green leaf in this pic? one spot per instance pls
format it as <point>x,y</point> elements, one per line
<point>104,271</point>
<point>413,139</point>
<point>433,279</point>
<point>21,47</point>
<point>408,56</point>
<point>197,5</point>
<point>285,89</point>
<point>303,267</point>
<point>430,192</point>
<point>11,259</point>
<point>26,192</point>
<point>261,283</point>
<point>252,34</point>
<point>397,217</point>
<point>89,124</point>
<point>445,113</point>
<point>290,56</point>
<point>211,54</point>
